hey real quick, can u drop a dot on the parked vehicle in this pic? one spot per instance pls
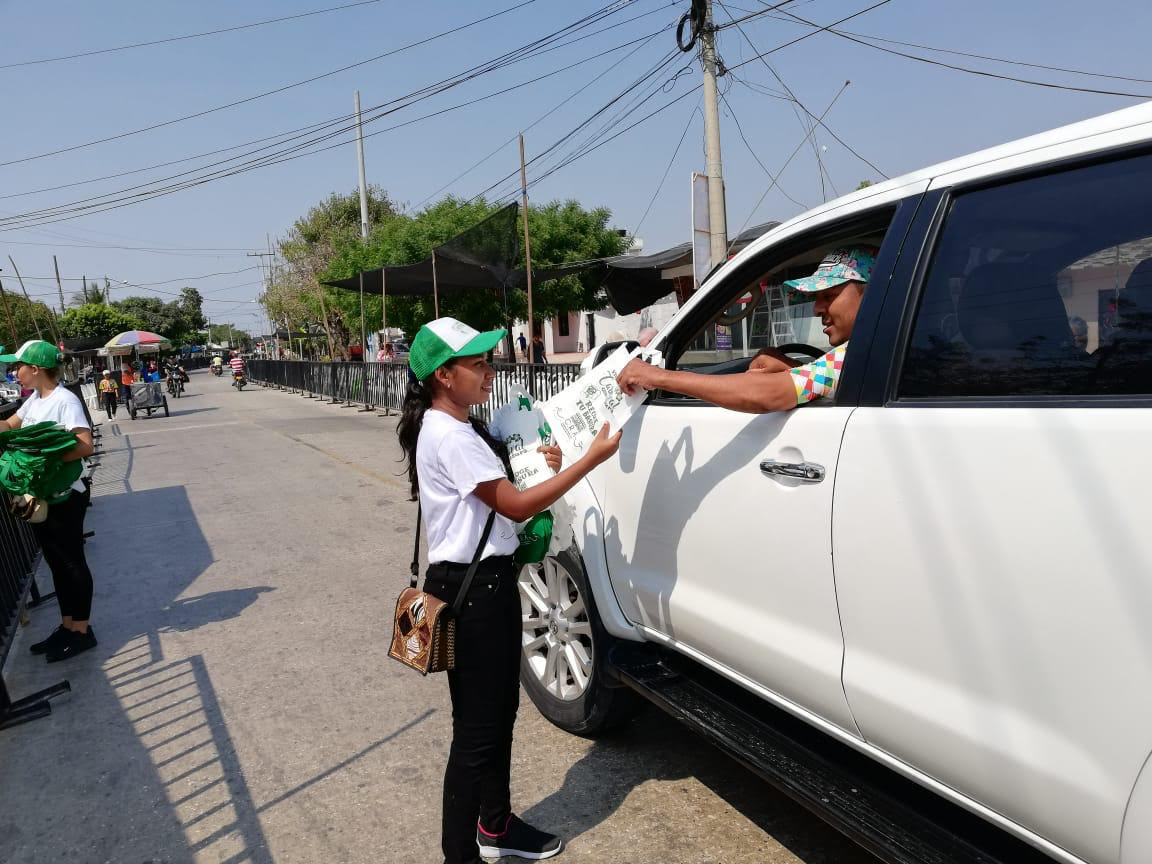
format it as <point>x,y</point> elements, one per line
<point>972,613</point>
<point>147,396</point>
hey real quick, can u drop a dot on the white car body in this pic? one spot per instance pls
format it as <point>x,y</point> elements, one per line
<point>964,598</point>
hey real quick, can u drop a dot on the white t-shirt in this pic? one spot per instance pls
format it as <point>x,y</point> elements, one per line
<point>60,406</point>
<point>451,460</point>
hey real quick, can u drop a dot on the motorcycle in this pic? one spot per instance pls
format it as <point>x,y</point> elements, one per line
<point>217,371</point>
<point>238,380</point>
<point>175,382</point>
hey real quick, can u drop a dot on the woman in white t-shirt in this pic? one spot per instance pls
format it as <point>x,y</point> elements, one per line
<point>61,535</point>
<point>461,477</point>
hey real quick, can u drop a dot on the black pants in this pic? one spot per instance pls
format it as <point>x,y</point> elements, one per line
<point>485,688</point>
<point>109,400</point>
<point>61,537</point>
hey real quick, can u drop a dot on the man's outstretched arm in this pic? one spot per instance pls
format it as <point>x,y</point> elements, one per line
<point>754,392</point>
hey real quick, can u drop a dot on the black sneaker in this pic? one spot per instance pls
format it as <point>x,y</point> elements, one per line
<point>76,643</point>
<point>55,638</point>
<point>519,839</point>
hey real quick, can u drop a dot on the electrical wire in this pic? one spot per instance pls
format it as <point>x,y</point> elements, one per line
<point>752,152</point>
<point>271,92</point>
<point>668,167</point>
<point>1050,85</point>
<point>104,202</point>
<point>784,167</point>
<point>614,65</point>
<point>186,36</point>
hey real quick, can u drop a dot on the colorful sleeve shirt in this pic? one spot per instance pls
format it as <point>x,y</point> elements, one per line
<point>820,377</point>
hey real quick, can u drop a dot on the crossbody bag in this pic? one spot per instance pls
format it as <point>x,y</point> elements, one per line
<point>424,632</point>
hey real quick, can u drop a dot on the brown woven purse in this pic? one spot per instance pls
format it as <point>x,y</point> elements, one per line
<point>424,631</point>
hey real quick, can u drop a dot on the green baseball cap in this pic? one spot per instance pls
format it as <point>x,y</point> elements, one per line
<point>444,339</point>
<point>35,353</point>
<point>846,264</point>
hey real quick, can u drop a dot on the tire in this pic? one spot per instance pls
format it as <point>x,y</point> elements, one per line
<point>166,408</point>
<point>575,701</point>
<point>132,412</point>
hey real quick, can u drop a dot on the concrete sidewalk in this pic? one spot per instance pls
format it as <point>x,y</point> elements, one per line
<point>241,706</point>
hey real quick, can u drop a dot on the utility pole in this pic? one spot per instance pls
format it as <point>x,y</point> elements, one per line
<point>717,213</point>
<point>59,285</point>
<point>363,225</point>
<point>31,308</point>
<point>8,315</point>
<point>527,244</point>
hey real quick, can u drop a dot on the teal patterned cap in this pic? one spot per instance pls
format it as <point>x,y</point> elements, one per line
<point>846,264</point>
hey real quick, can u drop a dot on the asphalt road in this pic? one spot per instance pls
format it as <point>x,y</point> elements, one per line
<point>241,706</point>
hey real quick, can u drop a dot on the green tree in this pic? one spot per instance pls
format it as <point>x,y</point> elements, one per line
<point>562,232</point>
<point>29,320</point>
<point>89,293</point>
<point>179,321</point>
<point>96,321</point>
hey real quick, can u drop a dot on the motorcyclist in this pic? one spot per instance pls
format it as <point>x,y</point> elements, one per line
<point>237,364</point>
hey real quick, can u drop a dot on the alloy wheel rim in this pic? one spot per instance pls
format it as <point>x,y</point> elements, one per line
<point>556,635</point>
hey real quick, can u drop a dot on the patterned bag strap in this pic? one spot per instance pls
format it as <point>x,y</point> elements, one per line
<point>467,583</point>
<point>416,550</point>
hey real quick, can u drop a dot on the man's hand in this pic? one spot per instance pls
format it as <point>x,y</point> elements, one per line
<point>772,360</point>
<point>637,376</point>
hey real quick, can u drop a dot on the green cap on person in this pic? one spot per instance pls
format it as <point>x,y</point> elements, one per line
<point>846,264</point>
<point>444,339</point>
<point>34,352</point>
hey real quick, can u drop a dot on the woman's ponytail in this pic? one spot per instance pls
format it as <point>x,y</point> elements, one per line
<point>417,400</point>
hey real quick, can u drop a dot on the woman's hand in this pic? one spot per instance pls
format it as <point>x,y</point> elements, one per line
<point>603,446</point>
<point>553,455</point>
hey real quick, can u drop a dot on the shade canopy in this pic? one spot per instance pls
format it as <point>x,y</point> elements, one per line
<point>136,339</point>
<point>481,259</point>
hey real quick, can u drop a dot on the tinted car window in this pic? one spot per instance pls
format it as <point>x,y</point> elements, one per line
<point>1041,286</point>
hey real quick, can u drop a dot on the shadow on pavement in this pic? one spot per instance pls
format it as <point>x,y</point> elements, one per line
<point>138,765</point>
<point>657,748</point>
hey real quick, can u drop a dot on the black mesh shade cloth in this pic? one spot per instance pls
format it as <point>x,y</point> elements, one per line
<point>482,258</point>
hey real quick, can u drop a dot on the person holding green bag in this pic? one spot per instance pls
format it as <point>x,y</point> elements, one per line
<point>39,462</point>
<point>469,506</point>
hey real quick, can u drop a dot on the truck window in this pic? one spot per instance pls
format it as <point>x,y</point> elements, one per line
<point>1039,287</point>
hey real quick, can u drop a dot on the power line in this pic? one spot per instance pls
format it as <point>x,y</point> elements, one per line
<point>664,176</point>
<point>615,64</point>
<point>186,36</point>
<point>981,72</point>
<point>775,178</point>
<point>752,152</point>
<point>274,91</point>
<point>107,201</point>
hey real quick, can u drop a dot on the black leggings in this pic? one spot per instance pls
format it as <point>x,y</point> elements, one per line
<point>61,537</point>
<point>485,688</point>
<point>109,400</point>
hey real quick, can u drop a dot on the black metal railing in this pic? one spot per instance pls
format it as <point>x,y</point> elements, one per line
<point>19,558</point>
<point>380,386</point>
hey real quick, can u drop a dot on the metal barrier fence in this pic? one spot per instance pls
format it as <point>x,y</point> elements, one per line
<point>380,386</point>
<point>19,558</point>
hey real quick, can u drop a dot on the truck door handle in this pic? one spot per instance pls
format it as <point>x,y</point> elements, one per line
<point>805,472</point>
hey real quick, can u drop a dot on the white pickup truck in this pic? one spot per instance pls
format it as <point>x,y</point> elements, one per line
<point>956,579</point>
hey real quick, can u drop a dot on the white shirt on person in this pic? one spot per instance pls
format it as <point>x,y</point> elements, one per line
<point>451,460</point>
<point>60,406</point>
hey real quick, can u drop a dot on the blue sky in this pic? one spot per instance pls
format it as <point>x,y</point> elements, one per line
<point>899,114</point>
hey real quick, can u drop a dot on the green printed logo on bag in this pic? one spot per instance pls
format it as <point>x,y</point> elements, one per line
<point>534,539</point>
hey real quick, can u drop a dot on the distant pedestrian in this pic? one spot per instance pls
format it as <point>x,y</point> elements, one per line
<point>127,378</point>
<point>108,390</point>
<point>523,343</point>
<point>538,355</point>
